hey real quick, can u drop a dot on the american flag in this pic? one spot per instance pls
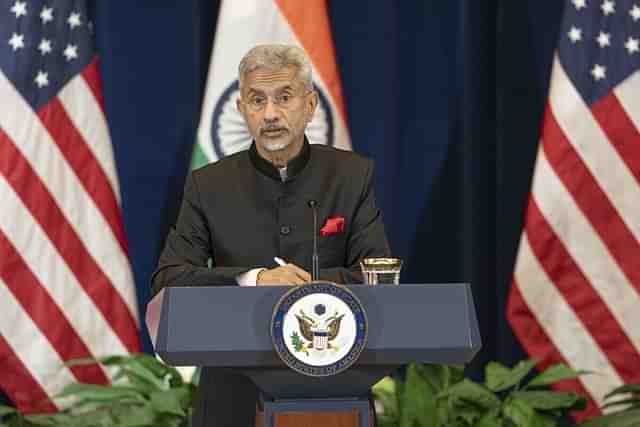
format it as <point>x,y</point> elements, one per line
<point>66,287</point>
<point>576,289</point>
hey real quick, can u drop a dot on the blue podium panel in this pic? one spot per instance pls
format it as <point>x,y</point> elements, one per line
<point>228,326</point>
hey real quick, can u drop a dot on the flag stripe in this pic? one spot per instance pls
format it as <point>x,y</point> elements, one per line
<point>627,94</point>
<point>593,202</point>
<point>577,266</point>
<point>620,130</point>
<point>19,383</point>
<point>584,134</point>
<point>66,283</point>
<point>45,210</point>
<point>539,345</point>
<point>317,42</point>
<point>91,76</point>
<point>33,349</point>
<point>578,293</point>
<point>86,115</point>
<point>61,184</point>
<point>585,248</point>
<point>33,245</point>
<point>44,312</point>
<point>85,112</point>
<point>560,324</point>
<point>83,162</point>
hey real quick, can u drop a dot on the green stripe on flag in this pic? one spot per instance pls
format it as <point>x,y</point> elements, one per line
<point>198,158</point>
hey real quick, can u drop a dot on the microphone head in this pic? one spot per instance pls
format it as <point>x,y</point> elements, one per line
<point>312,203</point>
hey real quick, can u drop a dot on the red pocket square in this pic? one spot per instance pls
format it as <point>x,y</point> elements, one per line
<point>334,225</point>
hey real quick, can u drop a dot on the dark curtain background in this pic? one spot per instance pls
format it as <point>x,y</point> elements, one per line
<point>446,96</point>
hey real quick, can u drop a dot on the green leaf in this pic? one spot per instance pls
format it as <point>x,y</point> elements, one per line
<point>438,376</point>
<point>543,420</point>
<point>160,370</point>
<point>618,419</point>
<point>108,361</point>
<point>136,416</point>
<point>490,419</point>
<point>59,419</point>
<point>457,373</point>
<point>387,384</point>
<point>141,371</point>
<point>388,402</point>
<point>474,393</point>
<point>101,418</point>
<point>418,407</point>
<point>519,412</point>
<point>496,376</point>
<point>170,401</point>
<point>6,410</point>
<point>100,393</point>
<point>387,422</point>
<point>499,377</point>
<point>627,388</point>
<point>549,400</point>
<point>633,402</point>
<point>467,414</point>
<point>555,374</point>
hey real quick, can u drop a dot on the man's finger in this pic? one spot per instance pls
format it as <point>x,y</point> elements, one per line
<point>299,272</point>
<point>294,279</point>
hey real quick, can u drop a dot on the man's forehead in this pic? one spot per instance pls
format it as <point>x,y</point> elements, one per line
<point>262,78</point>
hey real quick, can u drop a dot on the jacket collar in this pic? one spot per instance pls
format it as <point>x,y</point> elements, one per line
<point>294,167</point>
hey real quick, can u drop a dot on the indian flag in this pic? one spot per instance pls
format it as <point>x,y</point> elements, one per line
<point>243,24</point>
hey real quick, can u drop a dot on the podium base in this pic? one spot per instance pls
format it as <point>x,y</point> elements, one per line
<point>316,413</point>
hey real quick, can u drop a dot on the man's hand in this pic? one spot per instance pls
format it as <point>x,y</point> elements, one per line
<point>288,274</point>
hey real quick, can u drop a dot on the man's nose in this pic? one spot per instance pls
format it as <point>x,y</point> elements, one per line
<point>271,111</point>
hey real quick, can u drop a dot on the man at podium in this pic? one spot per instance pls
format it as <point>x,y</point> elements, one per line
<point>242,214</point>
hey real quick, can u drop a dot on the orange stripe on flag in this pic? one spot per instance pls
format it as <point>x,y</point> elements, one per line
<point>309,20</point>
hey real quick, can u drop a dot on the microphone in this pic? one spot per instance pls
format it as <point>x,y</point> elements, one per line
<point>313,204</point>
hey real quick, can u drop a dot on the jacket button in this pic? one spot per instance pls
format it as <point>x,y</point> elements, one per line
<point>285,229</point>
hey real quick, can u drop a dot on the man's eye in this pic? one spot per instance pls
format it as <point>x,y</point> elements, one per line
<point>258,100</point>
<point>285,97</point>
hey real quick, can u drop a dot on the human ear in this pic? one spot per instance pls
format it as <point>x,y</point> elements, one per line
<point>312,104</point>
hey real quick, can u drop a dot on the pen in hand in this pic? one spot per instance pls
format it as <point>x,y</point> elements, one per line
<point>279,261</point>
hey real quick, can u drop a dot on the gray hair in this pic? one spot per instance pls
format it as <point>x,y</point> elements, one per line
<point>275,57</point>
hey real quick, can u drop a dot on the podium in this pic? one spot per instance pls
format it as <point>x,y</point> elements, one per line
<point>229,327</point>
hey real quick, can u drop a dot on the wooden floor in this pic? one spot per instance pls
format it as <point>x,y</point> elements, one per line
<point>315,419</point>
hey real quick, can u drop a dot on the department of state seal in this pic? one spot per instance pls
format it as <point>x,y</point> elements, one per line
<point>319,329</point>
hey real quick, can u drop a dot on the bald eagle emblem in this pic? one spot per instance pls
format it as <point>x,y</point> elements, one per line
<point>319,329</point>
<point>318,332</point>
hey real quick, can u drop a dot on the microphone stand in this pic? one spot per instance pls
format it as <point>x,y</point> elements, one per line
<point>314,258</point>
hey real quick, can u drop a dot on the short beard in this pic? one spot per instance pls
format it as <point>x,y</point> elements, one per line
<point>276,146</point>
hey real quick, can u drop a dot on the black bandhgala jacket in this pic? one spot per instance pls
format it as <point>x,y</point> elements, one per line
<point>240,213</point>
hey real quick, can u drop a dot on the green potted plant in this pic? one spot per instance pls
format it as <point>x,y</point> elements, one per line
<point>440,396</point>
<point>626,401</point>
<point>145,392</point>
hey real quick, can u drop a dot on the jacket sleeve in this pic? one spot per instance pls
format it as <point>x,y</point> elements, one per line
<point>188,248</point>
<point>366,238</point>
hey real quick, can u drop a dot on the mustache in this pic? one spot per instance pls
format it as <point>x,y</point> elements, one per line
<point>268,128</point>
